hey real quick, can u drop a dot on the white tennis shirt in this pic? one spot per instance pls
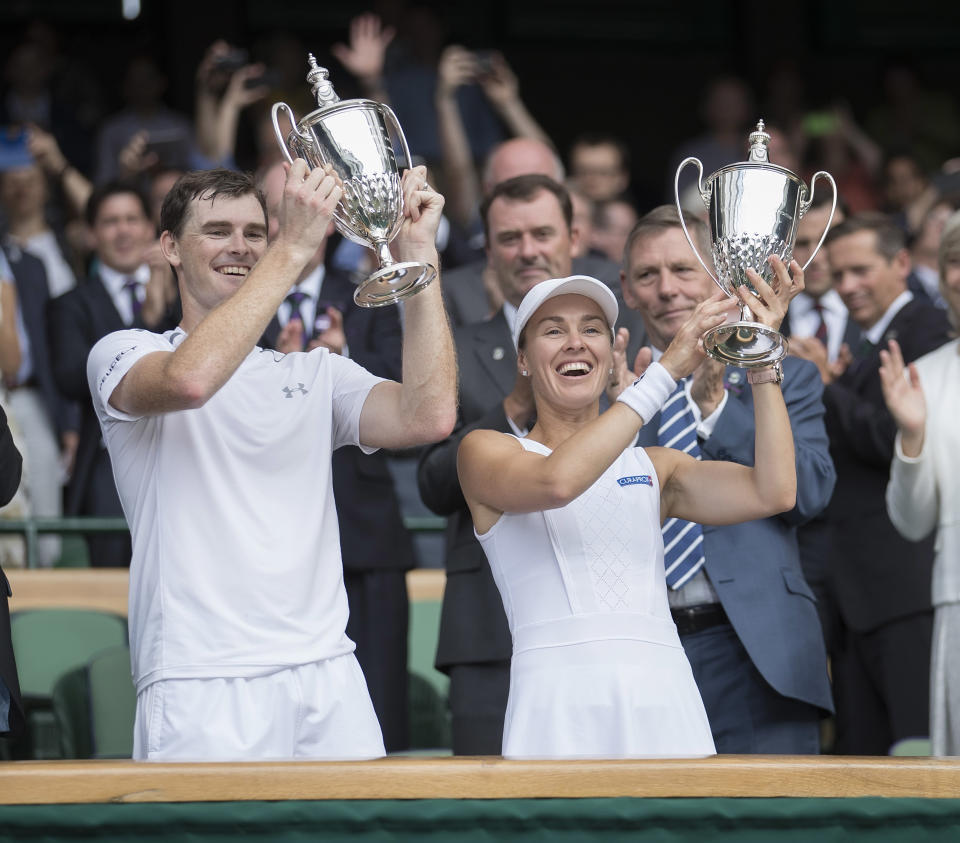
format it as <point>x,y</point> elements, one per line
<point>236,567</point>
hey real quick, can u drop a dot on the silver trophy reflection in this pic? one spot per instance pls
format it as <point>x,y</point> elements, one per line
<point>754,207</point>
<point>354,137</point>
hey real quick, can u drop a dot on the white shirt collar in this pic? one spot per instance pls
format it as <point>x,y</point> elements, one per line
<point>312,284</point>
<point>829,301</point>
<point>114,280</point>
<point>875,332</point>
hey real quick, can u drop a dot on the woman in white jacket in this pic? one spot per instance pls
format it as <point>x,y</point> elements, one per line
<point>924,489</point>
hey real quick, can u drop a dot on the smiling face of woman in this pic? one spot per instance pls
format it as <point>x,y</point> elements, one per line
<point>567,350</point>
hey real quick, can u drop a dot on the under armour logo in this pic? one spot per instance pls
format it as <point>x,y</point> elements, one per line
<point>288,391</point>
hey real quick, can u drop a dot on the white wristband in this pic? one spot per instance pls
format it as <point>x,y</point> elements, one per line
<point>646,395</point>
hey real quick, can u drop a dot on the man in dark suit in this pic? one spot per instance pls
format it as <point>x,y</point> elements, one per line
<point>879,580</point>
<point>376,548</point>
<point>11,708</point>
<point>130,287</point>
<point>530,238</point>
<point>818,324</point>
<point>746,617</point>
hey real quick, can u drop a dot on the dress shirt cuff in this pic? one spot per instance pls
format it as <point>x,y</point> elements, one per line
<point>706,425</point>
<point>902,457</point>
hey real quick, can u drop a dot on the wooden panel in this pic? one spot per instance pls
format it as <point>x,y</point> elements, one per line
<point>47,782</point>
<point>73,588</point>
<point>106,588</point>
<point>426,584</point>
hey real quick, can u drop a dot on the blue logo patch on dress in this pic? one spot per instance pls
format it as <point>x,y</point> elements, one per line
<point>636,479</point>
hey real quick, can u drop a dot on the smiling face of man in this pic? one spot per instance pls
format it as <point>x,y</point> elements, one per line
<point>663,281</point>
<point>867,281</point>
<point>528,242</point>
<point>122,231</point>
<point>222,238</point>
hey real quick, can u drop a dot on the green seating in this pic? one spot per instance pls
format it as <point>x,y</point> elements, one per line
<point>430,727</point>
<point>95,705</point>
<point>422,643</point>
<point>911,748</point>
<point>428,688</point>
<point>47,643</point>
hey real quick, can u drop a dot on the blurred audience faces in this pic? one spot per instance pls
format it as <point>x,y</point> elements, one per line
<point>612,223</point>
<point>600,166</point>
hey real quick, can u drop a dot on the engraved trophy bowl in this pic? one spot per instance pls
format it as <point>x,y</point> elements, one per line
<point>354,136</point>
<point>753,209</point>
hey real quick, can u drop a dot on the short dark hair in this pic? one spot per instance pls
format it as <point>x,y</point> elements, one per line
<point>661,219</point>
<point>525,189</point>
<point>105,191</point>
<point>603,139</point>
<point>205,184</point>
<point>890,238</point>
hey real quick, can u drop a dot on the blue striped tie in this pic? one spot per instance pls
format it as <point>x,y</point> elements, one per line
<point>682,540</point>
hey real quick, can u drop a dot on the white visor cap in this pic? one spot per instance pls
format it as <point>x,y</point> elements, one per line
<point>581,285</point>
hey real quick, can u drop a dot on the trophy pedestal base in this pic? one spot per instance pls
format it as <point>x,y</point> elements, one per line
<point>393,283</point>
<point>747,344</point>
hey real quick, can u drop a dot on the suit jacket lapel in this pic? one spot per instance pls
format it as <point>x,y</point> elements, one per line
<point>493,348</point>
<point>851,333</point>
<point>103,301</point>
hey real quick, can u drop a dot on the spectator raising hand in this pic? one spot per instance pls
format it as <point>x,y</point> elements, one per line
<point>226,85</point>
<point>365,54</point>
<point>45,150</point>
<point>135,159</point>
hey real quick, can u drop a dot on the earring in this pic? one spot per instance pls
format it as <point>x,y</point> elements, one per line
<point>611,370</point>
<point>524,372</point>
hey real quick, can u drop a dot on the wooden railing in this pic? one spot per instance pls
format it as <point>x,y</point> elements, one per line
<point>105,589</point>
<point>47,782</point>
<point>32,528</point>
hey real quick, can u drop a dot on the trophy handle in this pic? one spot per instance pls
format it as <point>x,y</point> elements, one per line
<point>277,106</point>
<point>705,196</point>
<point>805,206</point>
<point>388,113</point>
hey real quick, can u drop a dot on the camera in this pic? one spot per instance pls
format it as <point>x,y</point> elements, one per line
<point>270,78</point>
<point>484,62</point>
<point>232,60</point>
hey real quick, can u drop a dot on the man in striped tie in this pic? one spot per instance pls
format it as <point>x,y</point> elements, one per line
<point>745,614</point>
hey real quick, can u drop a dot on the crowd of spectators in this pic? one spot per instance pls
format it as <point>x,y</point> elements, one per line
<point>80,193</point>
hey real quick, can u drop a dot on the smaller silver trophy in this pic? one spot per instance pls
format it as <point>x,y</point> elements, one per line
<point>754,207</point>
<point>354,136</point>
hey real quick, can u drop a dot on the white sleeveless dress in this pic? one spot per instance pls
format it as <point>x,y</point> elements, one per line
<point>598,670</point>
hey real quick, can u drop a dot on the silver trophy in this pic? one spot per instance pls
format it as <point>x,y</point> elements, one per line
<point>754,208</point>
<point>354,136</point>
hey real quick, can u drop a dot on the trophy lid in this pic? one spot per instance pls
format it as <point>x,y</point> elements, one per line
<point>320,84</point>
<point>759,141</point>
<point>758,158</point>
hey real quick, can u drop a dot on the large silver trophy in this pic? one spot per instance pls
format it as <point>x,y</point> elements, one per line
<point>754,207</point>
<point>354,136</point>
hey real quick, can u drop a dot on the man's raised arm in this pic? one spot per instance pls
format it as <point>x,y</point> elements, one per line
<point>423,408</point>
